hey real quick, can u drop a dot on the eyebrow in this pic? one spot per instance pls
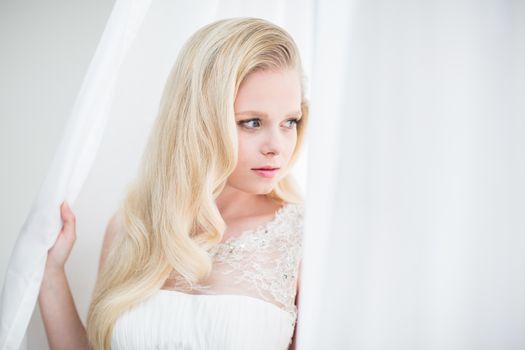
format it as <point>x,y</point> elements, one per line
<point>265,115</point>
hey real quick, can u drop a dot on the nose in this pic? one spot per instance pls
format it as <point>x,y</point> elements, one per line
<point>271,145</point>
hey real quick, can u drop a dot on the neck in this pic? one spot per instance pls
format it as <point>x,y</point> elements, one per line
<point>236,203</point>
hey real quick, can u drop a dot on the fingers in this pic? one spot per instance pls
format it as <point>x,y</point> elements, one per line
<point>68,218</point>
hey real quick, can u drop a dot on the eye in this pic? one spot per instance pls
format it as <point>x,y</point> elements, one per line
<point>256,122</point>
<point>294,122</point>
<point>245,122</point>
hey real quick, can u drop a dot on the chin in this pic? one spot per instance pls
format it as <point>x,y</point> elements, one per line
<point>265,190</point>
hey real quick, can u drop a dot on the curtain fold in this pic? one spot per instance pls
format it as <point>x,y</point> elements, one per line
<point>415,233</point>
<point>67,172</point>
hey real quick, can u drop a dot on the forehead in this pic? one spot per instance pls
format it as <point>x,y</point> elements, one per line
<point>270,93</point>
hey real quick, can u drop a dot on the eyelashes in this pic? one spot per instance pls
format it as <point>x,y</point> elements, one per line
<point>243,123</point>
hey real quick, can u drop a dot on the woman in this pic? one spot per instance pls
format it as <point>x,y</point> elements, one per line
<point>205,251</point>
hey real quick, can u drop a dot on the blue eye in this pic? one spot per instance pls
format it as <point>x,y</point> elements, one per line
<point>244,123</point>
<point>295,121</point>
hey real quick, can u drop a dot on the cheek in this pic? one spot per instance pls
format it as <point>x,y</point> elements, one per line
<point>245,151</point>
<point>292,142</point>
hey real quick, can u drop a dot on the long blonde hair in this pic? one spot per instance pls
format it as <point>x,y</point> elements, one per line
<point>169,217</point>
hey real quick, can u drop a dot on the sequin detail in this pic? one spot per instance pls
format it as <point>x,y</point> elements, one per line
<point>263,261</point>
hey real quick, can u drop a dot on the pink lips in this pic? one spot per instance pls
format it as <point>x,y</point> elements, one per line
<point>266,172</point>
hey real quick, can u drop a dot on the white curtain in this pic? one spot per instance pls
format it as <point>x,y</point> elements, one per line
<point>415,232</point>
<point>67,173</point>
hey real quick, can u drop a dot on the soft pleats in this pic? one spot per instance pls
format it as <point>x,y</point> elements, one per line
<point>175,320</point>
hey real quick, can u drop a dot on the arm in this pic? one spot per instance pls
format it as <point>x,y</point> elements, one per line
<point>62,324</point>
<point>294,337</point>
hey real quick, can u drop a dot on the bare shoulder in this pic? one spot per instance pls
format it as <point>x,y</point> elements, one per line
<point>112,228</point>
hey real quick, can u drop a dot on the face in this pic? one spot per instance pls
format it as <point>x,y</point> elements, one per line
<point>267,107</point>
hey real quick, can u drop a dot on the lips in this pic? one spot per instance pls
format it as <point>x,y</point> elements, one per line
<point>266,172</point>
<point>266,168</point>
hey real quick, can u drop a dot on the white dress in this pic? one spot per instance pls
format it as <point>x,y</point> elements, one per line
<point>247,302</point>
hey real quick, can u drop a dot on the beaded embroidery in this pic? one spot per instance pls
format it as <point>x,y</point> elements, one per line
<point>263,261</point>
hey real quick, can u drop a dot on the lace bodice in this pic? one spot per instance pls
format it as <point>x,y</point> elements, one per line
<point>261,262</point>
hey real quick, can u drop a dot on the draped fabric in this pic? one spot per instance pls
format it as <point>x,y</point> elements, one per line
<point>67,172</point>
<point>415,232</point>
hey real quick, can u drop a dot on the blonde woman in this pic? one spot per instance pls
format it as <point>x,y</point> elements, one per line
<point>205,250</point>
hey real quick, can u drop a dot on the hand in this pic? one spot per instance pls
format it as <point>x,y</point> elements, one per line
<point>58,254</point>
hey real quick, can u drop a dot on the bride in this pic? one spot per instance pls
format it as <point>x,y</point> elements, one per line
<point>205,250</point>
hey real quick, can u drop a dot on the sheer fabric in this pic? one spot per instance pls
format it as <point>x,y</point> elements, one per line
<point>75,154</point>
<point>248,301</point>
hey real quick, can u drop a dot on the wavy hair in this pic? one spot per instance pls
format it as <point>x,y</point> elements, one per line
<point>169,218</point>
